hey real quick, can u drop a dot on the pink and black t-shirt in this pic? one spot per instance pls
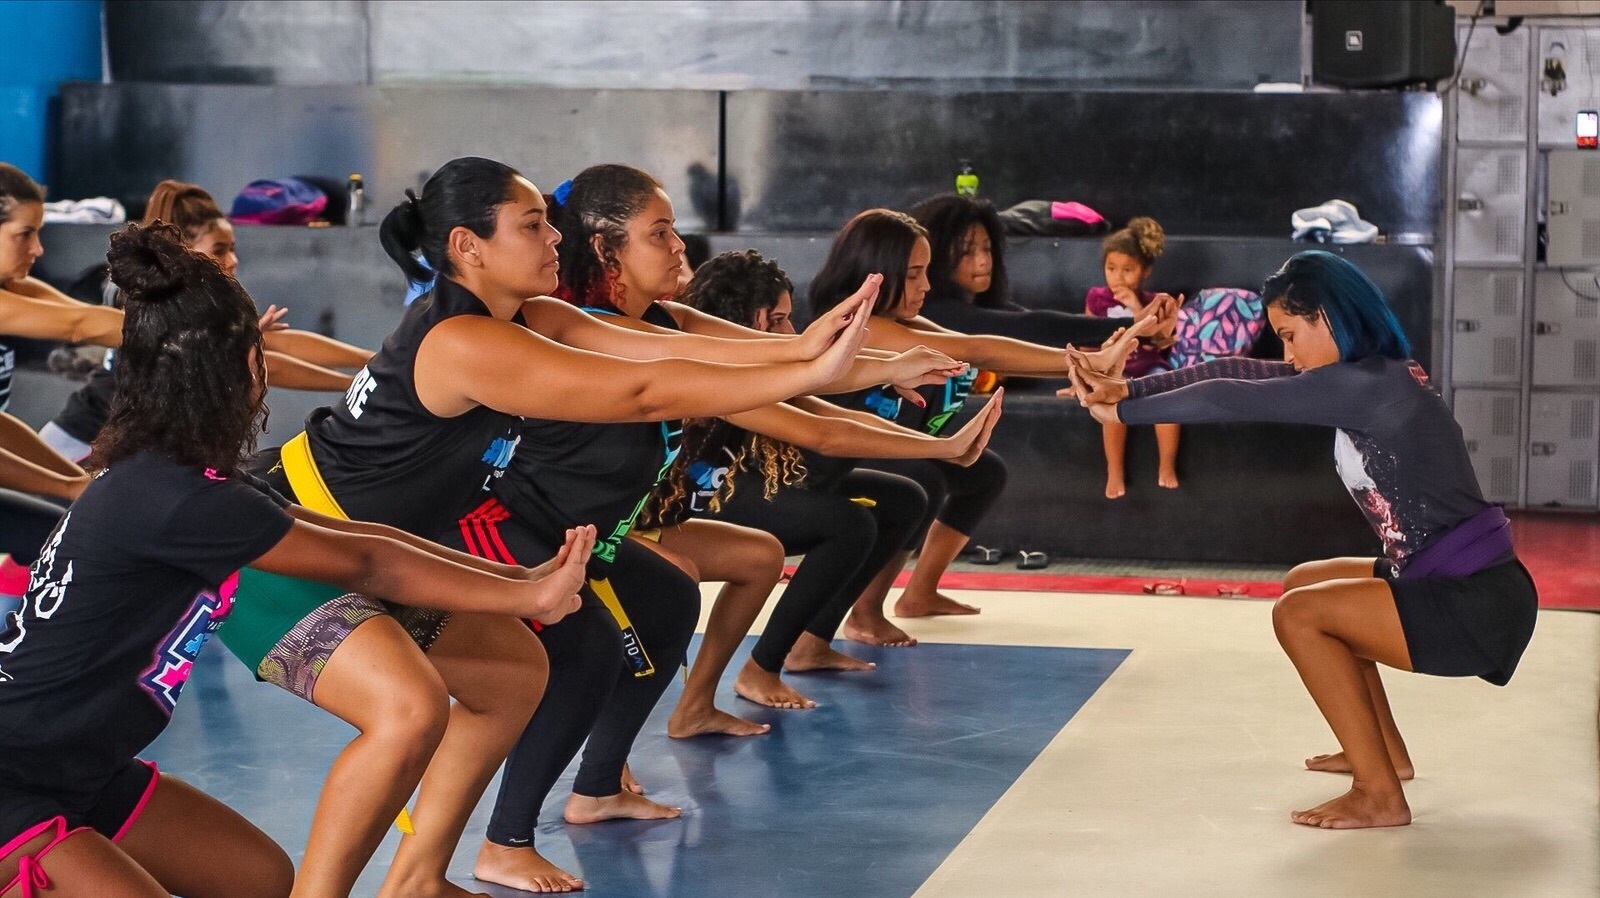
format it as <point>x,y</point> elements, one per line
<point>135,578</point>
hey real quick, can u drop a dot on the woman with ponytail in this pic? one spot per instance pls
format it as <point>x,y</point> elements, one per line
<point>425,431</point>
<point>145,565</point>
<point>611,661</point>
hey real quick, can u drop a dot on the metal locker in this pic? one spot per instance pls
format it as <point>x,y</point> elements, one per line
<point>1566,328</point>
<point>1493,87</point>
<point>1573,212</point>
<point>1564,449</point>
<point>1490,204</point>
<point>1489,421</point>
<point>1576,53</point>
<point>1486,333</point>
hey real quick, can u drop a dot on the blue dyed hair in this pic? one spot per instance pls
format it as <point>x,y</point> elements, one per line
<point>1317,283</point>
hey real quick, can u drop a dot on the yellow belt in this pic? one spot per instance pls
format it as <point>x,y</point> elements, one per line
<point>306,481</point>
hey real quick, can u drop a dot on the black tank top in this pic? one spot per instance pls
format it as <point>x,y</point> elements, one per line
<point>567,474</point>
<point>389,460</point>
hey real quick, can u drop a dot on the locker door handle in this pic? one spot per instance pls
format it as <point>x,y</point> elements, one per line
<point>1541,450</point>
<point>1472,447</point>
<point>1473,85</point>
<point>1558,208</point>
<point>1468,203</point>
<point>1546,329</point>
<point>1467,326</point>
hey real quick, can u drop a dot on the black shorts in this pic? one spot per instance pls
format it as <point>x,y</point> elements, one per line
<point>1472,626</point>
<point>109,810</point>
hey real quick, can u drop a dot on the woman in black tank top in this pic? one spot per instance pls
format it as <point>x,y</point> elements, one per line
<point>882,239</point>
<point>430,423</point>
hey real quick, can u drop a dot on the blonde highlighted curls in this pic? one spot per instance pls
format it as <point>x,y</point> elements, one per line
<point>1142,239</point>
<point>779,464</point>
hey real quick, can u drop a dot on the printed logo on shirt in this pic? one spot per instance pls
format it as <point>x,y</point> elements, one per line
<point>498,456</point>
<point>174,659</point>
<point>605,548</point>
<point>956,391</point>
<point>882,403</point>
<point>355,398</point>
<point>46,591</point>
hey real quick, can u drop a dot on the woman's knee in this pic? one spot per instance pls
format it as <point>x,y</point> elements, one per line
<point>268,873</point>
<point>757,552</point>
<point>1297,613</point>
<point>411,710</point>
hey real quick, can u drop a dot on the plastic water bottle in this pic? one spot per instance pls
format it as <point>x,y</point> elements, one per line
<point>966,179</point>
<point>356,210</point>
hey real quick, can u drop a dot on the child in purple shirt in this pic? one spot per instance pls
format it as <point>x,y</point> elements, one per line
<point>1128,255</point>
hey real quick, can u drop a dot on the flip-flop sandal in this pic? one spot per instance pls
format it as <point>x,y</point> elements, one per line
<point>1163,588</point>
<point>1233,590</point>
<point>985,555</point>
<point>1033,561</point>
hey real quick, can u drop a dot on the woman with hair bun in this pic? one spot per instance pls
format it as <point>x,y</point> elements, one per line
<point>144,568</point>
<point>1127,256</point>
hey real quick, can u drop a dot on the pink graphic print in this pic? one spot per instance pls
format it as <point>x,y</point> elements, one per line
<point>174,658</point>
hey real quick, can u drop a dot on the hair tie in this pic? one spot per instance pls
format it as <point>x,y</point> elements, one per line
<point>414,202</point>
<point>563,190</point>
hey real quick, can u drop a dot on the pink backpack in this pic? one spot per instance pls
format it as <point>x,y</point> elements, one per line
<point>1217,322</point>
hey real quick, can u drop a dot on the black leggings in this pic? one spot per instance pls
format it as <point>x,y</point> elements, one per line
<point>25,525</point>
<point>957,497</point>
<point>844,543</point>
<point>592,691</point>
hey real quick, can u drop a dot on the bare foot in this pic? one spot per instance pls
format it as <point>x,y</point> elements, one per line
<point>522,868</point>
<point>1336,763</point>
<point>765,688</point>
<point>426,888</point>
<point>875,630</point>
<point>1357,809</point>
<point>811,653</point>
<point>1115,488</point>
<point>686,722</point>
<point>629,784</point>
<point>1168,480</point>
<point>909,605</point>
<point>624,805</point>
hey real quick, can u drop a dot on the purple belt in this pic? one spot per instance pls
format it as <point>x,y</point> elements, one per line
<point>1480,541</point>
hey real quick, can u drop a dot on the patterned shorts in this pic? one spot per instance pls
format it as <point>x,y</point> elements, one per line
<point>299,657</point>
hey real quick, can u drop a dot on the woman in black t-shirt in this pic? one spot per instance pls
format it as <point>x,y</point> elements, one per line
<point>142,570</point>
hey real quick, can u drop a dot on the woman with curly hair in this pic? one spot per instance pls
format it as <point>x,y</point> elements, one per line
<point>747,470</point>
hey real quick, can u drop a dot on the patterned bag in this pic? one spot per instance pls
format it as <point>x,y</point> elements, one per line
<point>1217,322</point>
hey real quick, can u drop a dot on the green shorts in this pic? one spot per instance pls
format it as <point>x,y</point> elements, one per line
<point>285,629</point>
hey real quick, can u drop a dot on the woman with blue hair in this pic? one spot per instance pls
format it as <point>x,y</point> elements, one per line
<point>1448,598</point>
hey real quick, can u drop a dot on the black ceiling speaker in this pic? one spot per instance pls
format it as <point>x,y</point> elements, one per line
<point>1381,43</point>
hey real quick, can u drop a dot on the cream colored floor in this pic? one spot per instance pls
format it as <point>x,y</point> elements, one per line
<point>1177,778</point>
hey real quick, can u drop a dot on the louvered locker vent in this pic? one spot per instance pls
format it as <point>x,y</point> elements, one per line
<point>1489,421</point>
<point>1566,329</point>
<point>1491,186</point>
<point>1493,107</point>
<point>1486,335</point>
<point>1564,450</point>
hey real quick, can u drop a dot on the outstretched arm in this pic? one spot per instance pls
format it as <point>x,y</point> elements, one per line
<point>382,563</point>
<point>470,361</point>
<point>316,349</point>
<point>842,437</point>
<point>51,319</point>
<point>20,439</point>
<point>292,373</point>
